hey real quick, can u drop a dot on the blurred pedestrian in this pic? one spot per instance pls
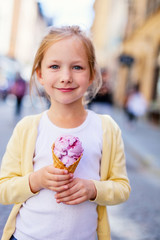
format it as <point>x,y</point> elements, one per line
<point>135,105</point>
<point>65,65</point>
<point>19,90</point>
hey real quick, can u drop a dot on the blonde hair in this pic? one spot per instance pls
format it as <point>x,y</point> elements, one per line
<point>56,34</point>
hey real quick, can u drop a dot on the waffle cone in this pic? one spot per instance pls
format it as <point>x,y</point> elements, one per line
<point>58,163</point>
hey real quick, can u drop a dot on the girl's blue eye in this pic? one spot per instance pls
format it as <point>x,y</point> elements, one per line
<point>77,67</point>
<point>54,66</point>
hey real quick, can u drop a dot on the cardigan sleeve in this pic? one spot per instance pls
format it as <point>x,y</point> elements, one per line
<point>114,187</point>
<point>14,186</point>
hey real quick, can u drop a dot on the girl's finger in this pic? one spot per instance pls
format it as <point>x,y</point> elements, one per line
<point>59,183</point>
<point>57,171</point>
<point>61,177</point>
<point>58,189</point>
<point>69,194</point>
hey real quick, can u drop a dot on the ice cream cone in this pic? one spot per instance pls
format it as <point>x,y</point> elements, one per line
<point>58,163</point>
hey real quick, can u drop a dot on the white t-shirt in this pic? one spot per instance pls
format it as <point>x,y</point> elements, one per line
<point>40,217</point>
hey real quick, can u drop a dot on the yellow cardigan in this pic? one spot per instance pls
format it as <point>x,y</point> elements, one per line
<point>17,165</point>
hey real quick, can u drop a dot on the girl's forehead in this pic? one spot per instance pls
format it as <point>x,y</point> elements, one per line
<point>68,43</point>
<point>71,39</point>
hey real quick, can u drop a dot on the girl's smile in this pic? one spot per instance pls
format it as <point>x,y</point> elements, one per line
<point>66,89</point>
<point>65,72</point>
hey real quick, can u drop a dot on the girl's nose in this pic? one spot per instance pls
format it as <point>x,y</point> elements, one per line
<point>66,76</point>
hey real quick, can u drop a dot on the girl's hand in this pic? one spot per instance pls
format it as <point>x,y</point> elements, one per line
<point>79,190</point>
<point>51,178</point>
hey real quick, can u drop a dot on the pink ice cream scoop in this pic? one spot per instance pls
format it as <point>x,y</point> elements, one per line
<point>68,149</point>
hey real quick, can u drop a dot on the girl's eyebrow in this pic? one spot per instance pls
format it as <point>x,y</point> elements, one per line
<point>78,61</point>
<point>55,61</point>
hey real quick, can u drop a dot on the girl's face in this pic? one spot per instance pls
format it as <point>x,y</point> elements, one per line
<point>65,72</point>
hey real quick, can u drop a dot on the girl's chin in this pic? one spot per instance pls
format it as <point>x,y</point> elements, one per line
<point>66,101</point>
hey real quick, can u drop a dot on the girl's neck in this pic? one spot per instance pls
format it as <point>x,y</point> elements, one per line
<point>67,116</point>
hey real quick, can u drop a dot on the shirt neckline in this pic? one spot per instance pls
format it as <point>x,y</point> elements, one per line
<point>76,129</point>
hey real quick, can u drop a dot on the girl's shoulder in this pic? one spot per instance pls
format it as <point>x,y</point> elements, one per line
<point>29,121</point>
<point>109,124</point>
<point>108,121</point>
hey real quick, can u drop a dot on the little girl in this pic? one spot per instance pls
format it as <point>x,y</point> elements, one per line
<point>51,203</point>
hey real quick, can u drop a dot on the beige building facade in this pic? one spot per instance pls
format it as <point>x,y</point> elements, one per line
<point>142,44</point>
<point>108,28</point>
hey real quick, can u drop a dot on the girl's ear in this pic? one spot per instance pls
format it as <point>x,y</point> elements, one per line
<point>39,76</point>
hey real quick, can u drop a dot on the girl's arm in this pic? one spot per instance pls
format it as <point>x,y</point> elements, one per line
<point>14,187</point>
<point>115,188</point>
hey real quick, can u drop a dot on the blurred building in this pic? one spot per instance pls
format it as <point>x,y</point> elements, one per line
<point>108,28</point>
<point>108,31</point>
<point>139,61</point>
<point>21,28</point>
